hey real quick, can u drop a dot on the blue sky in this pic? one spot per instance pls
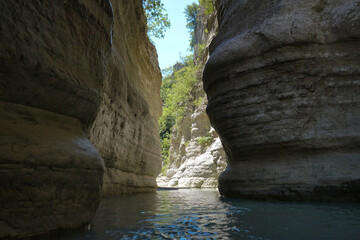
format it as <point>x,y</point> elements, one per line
<point>176,41</point>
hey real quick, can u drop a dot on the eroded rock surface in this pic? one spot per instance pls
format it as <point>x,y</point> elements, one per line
<point>73,97</point>
<point>283,82</point>
<point>125,131</point>
<point>196,154</point>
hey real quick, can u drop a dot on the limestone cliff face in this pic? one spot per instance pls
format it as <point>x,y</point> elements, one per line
<point>125,131</point>
<point>70,86</point>
<point>196,153</point>
<point>283,82</point>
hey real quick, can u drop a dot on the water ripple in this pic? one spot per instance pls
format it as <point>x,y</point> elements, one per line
<point>203,214</point>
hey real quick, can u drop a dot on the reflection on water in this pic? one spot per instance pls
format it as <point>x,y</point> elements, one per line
<point>203,214</point>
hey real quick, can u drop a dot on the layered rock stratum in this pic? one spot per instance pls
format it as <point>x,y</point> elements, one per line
<point>79,97</point>
<point>125,131</point>
<point>283,83</point>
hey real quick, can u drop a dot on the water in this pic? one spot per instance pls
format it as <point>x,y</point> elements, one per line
<point>204,214</point>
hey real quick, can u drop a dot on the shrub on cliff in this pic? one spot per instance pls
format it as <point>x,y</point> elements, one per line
<point>177,88</point>
<point>165,151</point>
<point>208,5</point>
<point>204,141</point>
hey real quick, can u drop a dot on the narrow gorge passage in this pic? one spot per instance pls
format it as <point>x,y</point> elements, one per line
<point>263,105</point>
<point>192,153</point>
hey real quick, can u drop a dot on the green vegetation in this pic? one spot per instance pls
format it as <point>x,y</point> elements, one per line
<point>208,5</point>
<point>191,12</point>
<point>157,19</point>
<point>177,88</point>
<point>204,141</point>
<point>165,151</point>
<point>179,81</point>
<point>200,51</point>
<point>198,102</point>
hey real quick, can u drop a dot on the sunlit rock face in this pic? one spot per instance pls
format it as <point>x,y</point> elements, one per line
<point>283,82</point>
<point>72,99</point>
<point>196,154</point>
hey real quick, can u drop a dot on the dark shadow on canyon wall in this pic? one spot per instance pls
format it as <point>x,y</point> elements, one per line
<point>80,100</point>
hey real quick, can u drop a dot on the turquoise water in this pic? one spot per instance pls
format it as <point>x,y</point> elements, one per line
<point>204,214</point>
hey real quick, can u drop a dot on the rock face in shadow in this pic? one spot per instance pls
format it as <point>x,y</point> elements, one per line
<point>283,82</point>
<point>73,97</point>
<point>125,131</point>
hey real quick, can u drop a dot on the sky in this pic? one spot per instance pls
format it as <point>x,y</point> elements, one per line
<point>176,41</point>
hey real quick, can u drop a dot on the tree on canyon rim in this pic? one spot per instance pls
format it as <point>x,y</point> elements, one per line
<point>157,20</point>
<point>191,12</point>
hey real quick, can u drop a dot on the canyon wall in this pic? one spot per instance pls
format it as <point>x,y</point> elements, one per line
<point>125,131</point>
<point>74,104</point>
<point>196,154</point>
<point>283,82</point>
